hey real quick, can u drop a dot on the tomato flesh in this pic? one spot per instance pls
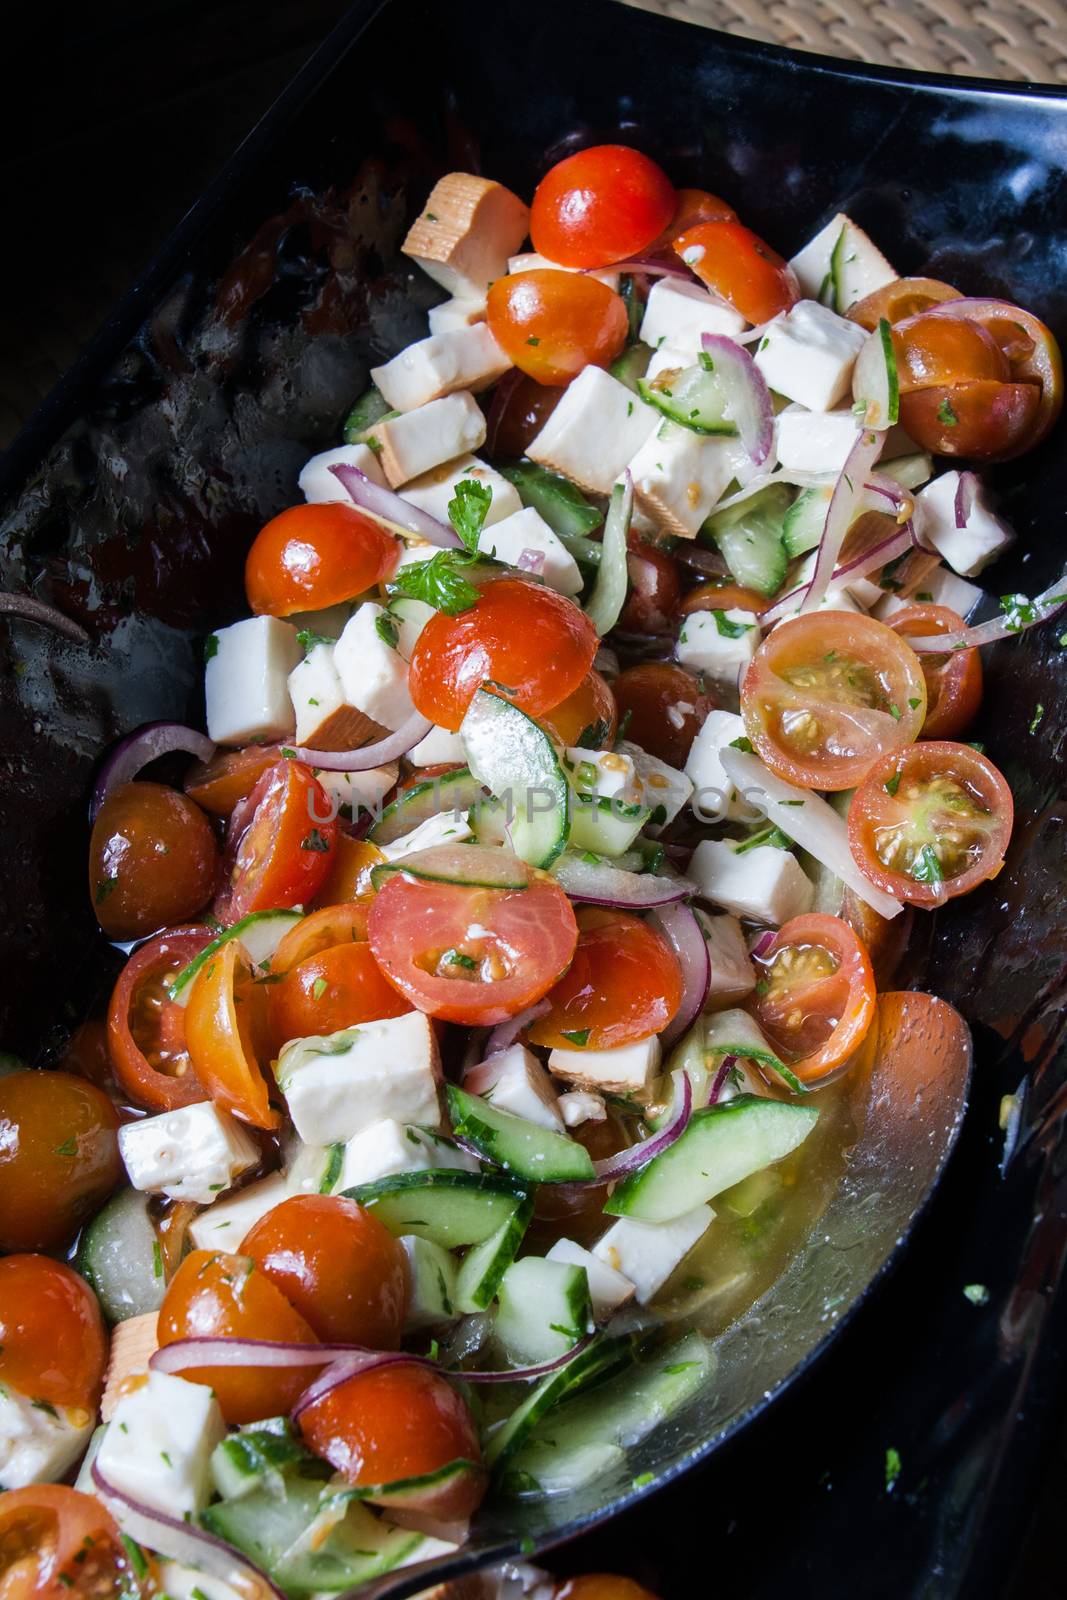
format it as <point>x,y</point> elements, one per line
<point>229,777</point>
<point>623,984</point>
<point>553,324</point>
<point>146,1028</point>
<point>56,1542</point>
<point>153,860</point>
<point>317,555</point>
<point>281,852</point>
<point>338,988</point>
<point>664,708</point>
<point>904,297</point>
<point>587,717</point>
<point>953,681</point>
<point>59,1157</point>
<point>226,1033</point>
<point>53,1346</point>
<point>736,263</point>
<point>600,205</point>
<point>816,997</point>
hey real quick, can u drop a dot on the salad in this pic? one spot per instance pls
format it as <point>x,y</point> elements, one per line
<point>491,973</point>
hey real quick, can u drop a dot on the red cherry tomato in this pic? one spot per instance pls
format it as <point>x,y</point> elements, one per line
<point>283,854</point>
<point>587,716</point>
<point>655,591</point>
<point>339,988</point>
<point>519,410</point>
<point>599,206</point>
<point>334,924</point>
<point>904,297</point>
<point>146,1028</point>
<point>317,555</point>
<point>722,597</point>
<point>59,1157</point>
<point>691,206</point>
<point>336,1263</point>
<point>53,1346</point>
<point>665,708</point>
<point>827,694</point>
<point>816,997</point>
<point>552,324</point>
<point>59,1544</point>
<point>953,681</point>
<point>535,646</point>
<point>735,263</point>
<point>984,420</point>
<point>230,776</point>
<point>350,875</point>
<point>227,1036</point>
<point>623,984</point>
<point>931,822</point>
<point>602,1586</point>
<point>153,860</point>
<point>945,350</point>
<point>520,940</point>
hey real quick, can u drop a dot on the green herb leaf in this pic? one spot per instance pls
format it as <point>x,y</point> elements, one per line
<point>307,639</point>
<point>386,629</point>
<point>892,1468</point>
<point>926,868</point>
<point>315,841</point>
<point>211,646</point>
<point>892,784</point>
<point>1035,720</point>
<point>468,509</point>
<point>578,1038</point>
<point>976,1293</point>
<point>69,1147</point>
<point>318,988</point>
<point>440,582</point>
<point>742,744</point>
<point>946,415</point>
<point>728,629</point>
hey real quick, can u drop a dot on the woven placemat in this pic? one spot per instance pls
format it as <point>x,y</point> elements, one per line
<point>1025,40</point>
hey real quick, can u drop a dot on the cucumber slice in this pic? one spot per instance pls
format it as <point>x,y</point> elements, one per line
<point>257,1456</point>
<point>469,865</point>
<point>734,1033</point>
<point>696,398</point>
<point>369,409</point>
<point>260,933</point>
<point>313,1168</point>
<point>721,1145</point>
<point>604,606</point>
<point>561,503</point>
<point>544,1309</point>
<point>596,1360</point>
<point>750,538</point>
<point>805,520</point>
<point>631,366</point>
<point>489,821</point>
<point>515,758</point>
<point>432,1275</point>
<point>449,1207</point>
<point>450,791</point>
<point>410,616</point>
<point>429,1493</point>
<point>484,1267</point>
<point>119,1256</point>
<point>523,1148</point>
<point>911,471</point>
<point>605,826</point>
<point>874,380</point>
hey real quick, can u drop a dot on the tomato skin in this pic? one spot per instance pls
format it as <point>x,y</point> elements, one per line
<point>226,1033</point>
<point>953,681</point>
<point>722,597</point>
<point>655,591</point>
<point>552,324</point>
<point>214,1295</point>
<point>691,206</point>
<point>153,860</point>
<point>589,710</point>
<point>522,635</point>
<point>734,262</point>
<point>339,988</point>
<point>600,205</point>
<point>350,875</point>
<point>53,1346</point>
<point>59,1544</point>
<point>519,410</point>
<point>321,930</point>
<point>336,1263</point>
<point>229,777</point>
<point>314,556</point>
<point>667,708</point>
<point>59,1157</point>
<point>623,984</point>
<point>846,996</point>
<point>146,1029</point>
<point>602,1586</point>
<point>905,297</point>
<point>983,420</point>
<point>1033,356</point>
<point>284,854</point>
<point>933,350</point>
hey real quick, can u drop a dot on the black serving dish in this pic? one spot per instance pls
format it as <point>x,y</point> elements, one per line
<point>130,500</point>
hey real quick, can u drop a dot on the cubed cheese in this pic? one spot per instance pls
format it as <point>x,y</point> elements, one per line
<point>453,314</point>
<point>466,358</point>
<point>389,1147</point>
<point>432,1280</point>
<point>527,531</point>
<point>808,353</point>
<point>466,232</point>
<point>970,549</point>
<point>178,1582</point>
<point>608,1288</point>
<point>246,683</point>
<point>514,1080</point>
<point>626,1069</point>
<point>677,313</point>
<point>718,643</point>
<point>339,1084</point>
<point>530,261</point>
<point>943,588</point>
<point>223,1225</point>
<point>417,441</point>
<point>433,491</point>
<point>448,827</point>
<point>440,745</point>
<point>814,441</point>
<point>594,432</point>
<point>374,675</point>
<point>679,475</point>
<point>354,792</point>
<point>732,974</point>
<point>605,773</point>
<point>858,270</point>
<point>865,592</point>
<point>318,483</point>
<point>580,1105</point>
<point>714,797</point>
<point>648,1252</point>
<point>765,884</point>
<point>324,718</point>
<point>192,1153</point>
<point>661,787</point>
<point>157,1448</point>
<point>39,1443</point>
<point>668,358</point>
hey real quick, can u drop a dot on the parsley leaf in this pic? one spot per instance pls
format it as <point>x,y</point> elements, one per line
<point>1019,611</point>
<point>1035,720</point>
<point>211,646</point>
<point>946,415</point>
<point>892,784</point>
<point>386,629</point>
<point>742,744</point>
<point>977,1294</point>
<point>926,868</point>
<point>578,1038</point>
<point>468,509</point>
<point>892,1461</point>
<point>307,639</point>
<point>315,841</point>
<point>440,582</point>
<point>728,629</point>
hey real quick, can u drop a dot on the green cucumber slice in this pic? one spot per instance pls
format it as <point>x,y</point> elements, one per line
<point>119,1256</point>
<point>601,1357</point>
<point>875,385</point>
<point>734,1033</point>
<point>910,471</point>
<point>484,1266</point>
<point>695,397</point>
<point>631,366</point>
<point>257,1456</point>
<point>261,932</point>
<point>836,273</point>
<point>469,865</point>
<point>450,791</point>
<point>449,1207</point>
<point>544,1309</point>
<point>313,1168</point>
<point>523,1148</point>
<point>721,1145</point>
<point>410,616</point>
<point>805,520</point>
<point>563,506</point>
<point>749,536</point>
<point>604,826</point>
<point>432,1274</point>
<point>604,606</point>
<point>370,408</point>
<point>515,758</point>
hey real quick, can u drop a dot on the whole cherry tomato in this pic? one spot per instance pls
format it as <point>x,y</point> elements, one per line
<point>59,1157</point>
<point>655,591</point>
<point>283,853</point>
<point>338,988</point>
<point>231,775</point>
<point>53,1346</point>
<point>664,708</point>
<point>735,263</point>
<point>691,206</point>
<point>317,555</point>
<point>552,324</point>
<point>587,716</point>
<point>59,1544</point>
<point>816,997</point>
<point>623,984</point>
<point>226,1034</point>
<point>146,1028</point>
<point>983,419</point>
<point>933,350</point>
<point>953,681</point>
<point>153,860</point>
<point>599,206</point>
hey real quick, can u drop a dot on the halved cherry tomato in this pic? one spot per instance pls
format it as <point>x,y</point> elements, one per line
<point>664,707</point>
<point>426,935</point>
<point>691,206</point>
<point>519,409</point>
<point>339,988</point>
<point>984,420</point>
<point>602,1586</point>
<point>827,694</point>
<point>231,775</point>
<point>85,1055</point>
<point>623,984</point>
<point>350,875</point>
<point>218,1296</point>
<point>153,860</point>
<point>552,324</point>
<point>59,1544</point>
<point>816,997</point>
<point>317,555</point>
<point>931,822</point>
<point>587,716</point>
<point>336,1263</point>
<point>600,205</point>
<point>735,263</point>
<point>59,1157</point>
<point>953,681</point>
<point>53,1346</point>
<point>1031,349</point>
<point>655,590</point>
<point>933,350</point>
<point>722,597</point>
<point>395,1423</point>
<point>146,1028</point>
<point>226,1034</point>
<point>535,646</point>
<point>335,924</point>
<point>904,297</point>
<point>283,854</point>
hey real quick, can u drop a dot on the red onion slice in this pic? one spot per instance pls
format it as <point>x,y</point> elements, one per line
<point>639,1155</point>
<point>525,1374</point>
<point>505,1033</point>
<point>531,561</point>
<point>718,1083</point>
<point>963,501</point>
<point>28,609</point>
<point>679,926</point>
<point>749,405</point>
<point>1023,615</point>
<point>601,884</point>
<point>351,1366</point>
<point>137,749</point>
<point>887,549</point>
<point>393,508</point>
<point>395,744</point>
<point>216,1351</point>
<point>763,943</point>
<point>651,266</point>
<point>847,495</point>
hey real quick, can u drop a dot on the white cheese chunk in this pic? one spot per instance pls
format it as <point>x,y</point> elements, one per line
<point>680,475</point>
<point>246,682</point>
<point>440,745</point>
<point>355,792</point>
<point>865,592</point>
<point>648,1252</point>
<point>178,1582</point>
<point>732,974</point>
<point>514,1080</point>
<point>318,483</point>
<point>157,1448</point>
<point>223,1225</point>
<point>527,530</point>
<point>433,491</point>
<point>409,617</point>
<point>579,1105</point>
<point>39,1443</point>
<point>453,314</point>
<point>946,589</point>
<point>677,313</point>
<point>374,676</point>
<point>808,353</point>
<point>337,1085</point>
<point>417,441</point>
<point>192,1153</point>
<point>608,1288</point>
<point>814,441</point>
<point>325,720</point>
<point>466,232</point>
<point>668,358</point>
<point>970,549</point>
<point>594,432</point>
<point>605,773</point>
<point>530,261</point>
<point>714,797</point>
<point>432,1277</point>
<point>860,267</point>
<point>448,827</point>
<point>708,642</point>
<point>466,358</point>
<point>390,1147</point>
<point>626,1069</point>
<point>764,884</point>
<point>660,786</point>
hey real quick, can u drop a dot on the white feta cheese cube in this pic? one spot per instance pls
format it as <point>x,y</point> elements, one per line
<point>970,549</point>
<point>661,787</point>
<point>389,1147</point>
<point>579,1105</point>
<point>417,441</point>
<point>764,884</point>
<point>530,261</point>
<point>374,676</point>
<point>680,475</point>
<point>440,745</point>
<point>865,592</point>
<point>354,792</point>
<point>514,1080</point>
<point>246,682</point>
<point>626,1069</point>
<point>466,358</point>
<point>527,530</point>
<point>608,1288</point>
<point>157,1448</point>
<point>859,269</point>
<point>432,1276</point>
<point>466,232</point>
<point>943,588</point>
<point>677,313</point>
<point>39,1443</point>
<point>178,1582</point>
<point>318,483</point>
<point>453,314</point>
<point>714,797</point>
<point>732,974</point>
<point>718,643</point>
<point>808,353</point>
<point>324,718</point>
<point>192,1153</point>
<point>448,827</point>
<point>594,432</point>
<point>339,1084</point>
<point>648,1252</point>
<point>668,358</point>
<point>605,773</point>
<point>814,441</point>
<point>223,1225</point>
<point>433,491</point>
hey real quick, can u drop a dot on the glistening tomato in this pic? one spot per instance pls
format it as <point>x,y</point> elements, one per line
<point>599,206</point>
<point>827,694</point>
<point>53,1346</point>
<point>655,590</point>
<point>1033,357</point>
<point>722,597</point>
<point>350,875</point>
<point>953,681</point>
<point>519,409</point>
<point>664,708</point>
<point>736,264</point>
<point>931,822</point>
<point>904,297</point>
<point>983,419</point>
<point>59,1544</point>
<point>602,1586</point>
<point>623,984</point>
<point>280,851</point>
<point>586,717</point>
<point>146,1028</point>
<point>339,988</point>
<point>59,1157</point>
<point>945,350</point>
<point>317,555</point>
<point>816,997</point>
<point>231,775</point>
<point>691,206</point>
<point>552,324</point>
<point>153,860</point>
<point>226,1034</point>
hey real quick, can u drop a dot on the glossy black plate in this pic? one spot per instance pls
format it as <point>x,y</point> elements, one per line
<point>133,494</point>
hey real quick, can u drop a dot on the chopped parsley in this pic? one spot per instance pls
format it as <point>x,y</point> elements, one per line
<point>533,339</point>
<point>1035,720</point>
<point>643,1480</point>
<point>68,1147</point>
<point>468,509</point>
<point>728,629</point>
<point>593,737</point>
<point>706,362</point>
<point>440,582</point>
<point>135,1555</point>
<point>307,639</point>
<point>892,1468</point>
<point>976,1293</point>
<point>316,842</point>
<point>742,744</point>
<point>770,835</point>
<point>579,1037</point>
<point>892,784</point>
<point>926,867</point>
<point>211,646</point>
<point>894,710</point>
<point>1019,610</point>
<point>386,629</point>
<point>105,887</point>
<point>318,988</point>
<point>457,958</point>
<point>946,415</point>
